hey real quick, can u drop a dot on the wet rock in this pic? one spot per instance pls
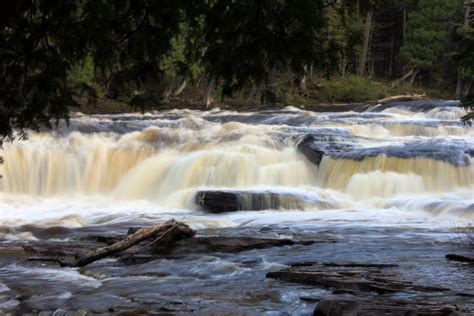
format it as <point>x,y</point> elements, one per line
<point>218,201</point>
<point>56,249</point>
<point>424,105</point>
<point>336,308</point>
<point>222,201</point>
<point>42,259</point>
<point>460,258</point>
<point>49,251</point>
<point>455,152</point>
<point>63,312</point>
<point>315,155</point>
<point>465,294</point>
<point>315,147</point>
<point>351,277</point>
<point>93,274</point>
<point>384,306</point>
<point>360,265</point>
<point>228,244</point>
<point>303,264</point>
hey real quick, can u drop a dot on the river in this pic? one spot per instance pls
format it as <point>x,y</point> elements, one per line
<point>395,184</point>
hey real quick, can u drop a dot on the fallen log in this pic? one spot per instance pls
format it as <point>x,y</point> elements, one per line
<point>169,231</point>
<point>400,98</point>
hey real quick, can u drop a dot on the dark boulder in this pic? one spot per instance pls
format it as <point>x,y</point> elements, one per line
<point>314,155</point>
<point>315,147</point>
<point>217,201</point>
<point>460,258</point>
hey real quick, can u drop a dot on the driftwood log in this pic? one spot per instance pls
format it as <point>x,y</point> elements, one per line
<point>400,98</point>
<point>169,231</point>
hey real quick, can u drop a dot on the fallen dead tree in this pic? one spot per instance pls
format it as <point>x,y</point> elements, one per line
<point>165,233</point>
<point>400,98</point>
<point>163,246</point>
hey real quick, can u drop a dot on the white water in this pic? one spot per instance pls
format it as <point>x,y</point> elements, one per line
<point>152,171</point>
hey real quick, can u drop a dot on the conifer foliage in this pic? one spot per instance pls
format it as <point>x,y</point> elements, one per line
<point>52,52</point>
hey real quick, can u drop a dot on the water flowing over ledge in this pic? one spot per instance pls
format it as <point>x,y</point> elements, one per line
<point>387,185</point>
<point>394,159</point>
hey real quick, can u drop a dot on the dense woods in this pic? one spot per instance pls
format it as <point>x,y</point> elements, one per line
<point>56,54</point>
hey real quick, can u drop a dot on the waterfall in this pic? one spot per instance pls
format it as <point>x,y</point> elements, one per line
<point>396,158</point>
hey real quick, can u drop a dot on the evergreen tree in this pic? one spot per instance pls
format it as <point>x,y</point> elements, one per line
<point>466,61</point>
<point>138,41</point>
<point>428,33</point>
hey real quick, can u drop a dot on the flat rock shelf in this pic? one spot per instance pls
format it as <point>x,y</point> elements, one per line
<point>354,280</point>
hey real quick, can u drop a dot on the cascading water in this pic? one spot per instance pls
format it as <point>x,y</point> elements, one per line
<point>389,157</point>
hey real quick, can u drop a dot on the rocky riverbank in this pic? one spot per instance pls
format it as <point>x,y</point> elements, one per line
<point>329,285</point>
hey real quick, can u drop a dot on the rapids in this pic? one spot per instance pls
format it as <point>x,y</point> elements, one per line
<point>413,158</point>
<point>394,182</point>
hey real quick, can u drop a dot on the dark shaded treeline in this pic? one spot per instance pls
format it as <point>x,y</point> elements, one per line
<point>54,53</point>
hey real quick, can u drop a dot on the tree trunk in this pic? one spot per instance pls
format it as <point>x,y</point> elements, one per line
<point>390,64</point>
<point>300,82</point>
<point>405,77</point>
<point>207,94</point>
<point>253,90</point>
<point>180,89</point>
<point>166,94</point>
<point>302,85</point>
<point>370,61</point>
<point>404,27</point>
<point>413,77</point>
<point>467,88</point>
<point>176,231</point>
<point>343,65</point>
<point>459,87</point>
<point>365,46</point>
